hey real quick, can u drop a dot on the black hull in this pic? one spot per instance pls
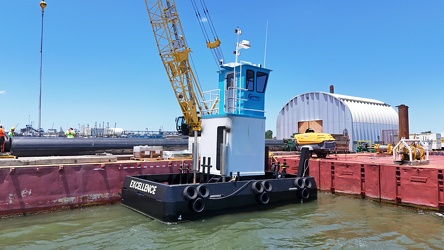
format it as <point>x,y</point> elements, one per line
<point>158,196</point>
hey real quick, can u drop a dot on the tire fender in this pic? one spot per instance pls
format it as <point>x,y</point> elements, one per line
<point>308,183</point>
<point>198,205</point>
<point>257,187</point>
<point>202,191</point>
<point>263,198</point>
<point>299,183</point>
<point>267,186</point>
<point>190,193</point>
<point>304,193</point>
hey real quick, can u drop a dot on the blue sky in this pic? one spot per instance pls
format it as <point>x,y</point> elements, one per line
<point>101,65</point>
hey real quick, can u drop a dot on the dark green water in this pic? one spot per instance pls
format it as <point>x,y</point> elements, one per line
<point>331,222</point>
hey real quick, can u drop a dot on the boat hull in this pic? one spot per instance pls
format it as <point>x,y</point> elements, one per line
<point>162,197</point>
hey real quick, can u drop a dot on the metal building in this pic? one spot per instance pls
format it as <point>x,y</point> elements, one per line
<point>359,118</point>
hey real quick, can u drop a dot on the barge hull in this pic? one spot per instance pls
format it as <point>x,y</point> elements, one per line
<point>29,186</point>
<point>378,178</point>
<point>52,184</point>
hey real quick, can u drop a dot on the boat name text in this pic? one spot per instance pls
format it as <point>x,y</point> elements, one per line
<point>144,187</point>
<point>254,97</point>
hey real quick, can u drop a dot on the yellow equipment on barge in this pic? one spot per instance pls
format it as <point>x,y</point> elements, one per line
<point>319,143</point>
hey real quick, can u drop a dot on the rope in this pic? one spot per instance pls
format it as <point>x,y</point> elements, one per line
<point>234,193</point>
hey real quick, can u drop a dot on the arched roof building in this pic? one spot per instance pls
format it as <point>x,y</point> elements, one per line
<point>360,118</point>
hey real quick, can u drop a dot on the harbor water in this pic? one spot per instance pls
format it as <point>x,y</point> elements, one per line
<point>331,222</point>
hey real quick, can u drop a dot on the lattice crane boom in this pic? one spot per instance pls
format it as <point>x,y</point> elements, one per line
<point>174,53</point>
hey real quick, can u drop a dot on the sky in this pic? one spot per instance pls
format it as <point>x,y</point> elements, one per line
<point>100,64</point>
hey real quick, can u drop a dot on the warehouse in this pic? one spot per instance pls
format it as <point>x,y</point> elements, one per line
<point>358,118</point>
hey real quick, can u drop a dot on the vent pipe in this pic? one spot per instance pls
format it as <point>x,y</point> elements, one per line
<point>403,114</point>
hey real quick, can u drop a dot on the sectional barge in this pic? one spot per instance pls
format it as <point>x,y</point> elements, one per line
<point>45,184</point>
<point>376,177</point>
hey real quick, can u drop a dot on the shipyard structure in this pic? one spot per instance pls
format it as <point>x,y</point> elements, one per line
<point>357,118</point>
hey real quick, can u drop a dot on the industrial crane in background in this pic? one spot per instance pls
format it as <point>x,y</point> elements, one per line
<point>175,56</point>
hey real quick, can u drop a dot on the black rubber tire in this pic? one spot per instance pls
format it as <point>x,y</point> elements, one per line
<point>304,193</point>
<point>321,155</point>
<point>267,186</point>
<point>308,183</point>
<point>198,205</point>
<point>299,182</point>
<point>202,191</point>
<point>257,187</point>
<point>190,193</point>
<point>263,198</point>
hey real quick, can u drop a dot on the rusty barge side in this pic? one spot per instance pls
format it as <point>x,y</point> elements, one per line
<point>31,185</point>
<point>378,178</point>
<point>28,185</point>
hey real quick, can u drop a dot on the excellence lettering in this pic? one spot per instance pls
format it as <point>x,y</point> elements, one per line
<point>144,187</point>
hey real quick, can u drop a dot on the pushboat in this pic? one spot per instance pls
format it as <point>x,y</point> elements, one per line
<point>231,122</point>
<point>232,134</point>
<point>173,198</point>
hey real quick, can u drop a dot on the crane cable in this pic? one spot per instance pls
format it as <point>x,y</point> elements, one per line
<point>215,45</point>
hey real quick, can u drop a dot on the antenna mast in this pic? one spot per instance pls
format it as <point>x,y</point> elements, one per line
<point>266,40</point>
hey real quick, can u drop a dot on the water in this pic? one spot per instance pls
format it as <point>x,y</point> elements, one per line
<point>331,222</point>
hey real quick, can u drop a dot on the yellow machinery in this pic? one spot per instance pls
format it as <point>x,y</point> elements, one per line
<point>417,152</point>
<point>312,138</point>
<point>174,53</point>
<point>7,155</point>
<point>319,143</point>
<point>411,151</point>
<point>379,148</point>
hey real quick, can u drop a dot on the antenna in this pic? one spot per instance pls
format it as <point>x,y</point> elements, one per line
<point>266,40</point>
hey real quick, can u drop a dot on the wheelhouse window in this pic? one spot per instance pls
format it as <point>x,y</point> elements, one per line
<point>230,80</point>
<point>250,80</point>
<point>261,80</point>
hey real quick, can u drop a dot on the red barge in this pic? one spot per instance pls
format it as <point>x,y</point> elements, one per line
<point>42,184</point>
<point>32,185</point>
<point>376,177</point>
